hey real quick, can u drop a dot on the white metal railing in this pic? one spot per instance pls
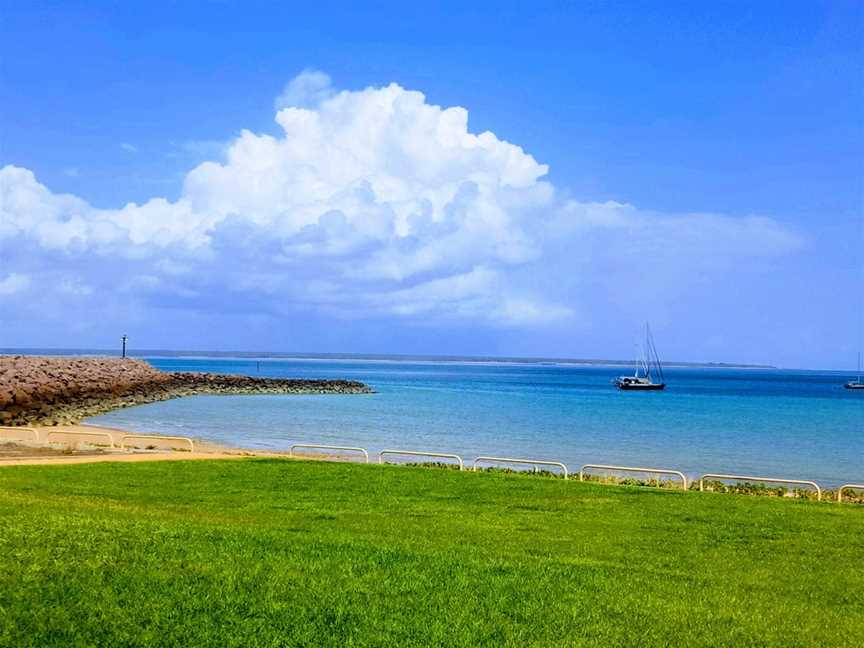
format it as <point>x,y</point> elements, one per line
<point>844,487</point>
<point>659,471</point>
<point>527,462</point>
<point>90,434</point>
<point>33,431</point>
<point>327,447</point>
<point>416,453</point>
<point>157,437</point>
<point>446,455</point>
<point>750,478</point>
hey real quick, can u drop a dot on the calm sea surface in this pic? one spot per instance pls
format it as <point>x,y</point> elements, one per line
<point>769,422</point>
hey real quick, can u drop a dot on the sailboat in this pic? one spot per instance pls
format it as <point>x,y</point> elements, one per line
<point>858,383</point>
<point>648,368</point>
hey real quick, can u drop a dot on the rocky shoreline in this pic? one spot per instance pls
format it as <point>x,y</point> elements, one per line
<point>37,390</point>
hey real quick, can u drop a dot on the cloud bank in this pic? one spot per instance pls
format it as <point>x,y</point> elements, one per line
<point>368,204</point>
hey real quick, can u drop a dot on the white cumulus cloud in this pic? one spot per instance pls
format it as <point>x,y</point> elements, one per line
<point>372,202</point>
<point>307,90</point>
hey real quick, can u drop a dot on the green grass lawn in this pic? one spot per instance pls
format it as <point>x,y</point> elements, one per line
<point>273,552</point>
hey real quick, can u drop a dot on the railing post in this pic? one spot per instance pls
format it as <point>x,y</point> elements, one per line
<point>845,486</point>
<point>636,469</point>
<point>314,446</point>
<point>529,462</point>
<point>33,431</point>
<point>416,453</point>
<point>771,480</point>
<point>156,437</point>
<point>66,432</point>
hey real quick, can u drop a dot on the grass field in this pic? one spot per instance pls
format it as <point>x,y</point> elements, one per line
<point>273,552</point>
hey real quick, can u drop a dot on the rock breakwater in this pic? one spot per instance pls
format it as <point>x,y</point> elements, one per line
<point>37,390</point>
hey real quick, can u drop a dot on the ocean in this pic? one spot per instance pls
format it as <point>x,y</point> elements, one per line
<point>765,422</point>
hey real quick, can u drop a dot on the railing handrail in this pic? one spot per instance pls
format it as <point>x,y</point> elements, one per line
<point>845,486</point>
<point>157,437</point>
<point>74,433</point>
<point>530,462</point>
<point>328,447</point>
<point>659,471</point>
<point>447,455</point>
<point>419,453</point>
<point>24,428</point>
<point>772,480</point>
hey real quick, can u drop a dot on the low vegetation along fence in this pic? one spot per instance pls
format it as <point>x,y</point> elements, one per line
<point>850,487</point>
<point>417,453</point>
<point>708,481</point>
<point>770,480</point>
<point>529,462</point>
<point>630,469</point>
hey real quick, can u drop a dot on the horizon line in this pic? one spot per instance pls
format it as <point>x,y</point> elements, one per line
<point>143,353</point>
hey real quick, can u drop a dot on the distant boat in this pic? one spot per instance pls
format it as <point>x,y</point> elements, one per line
<point>648,368</point>
<point>858,383</point>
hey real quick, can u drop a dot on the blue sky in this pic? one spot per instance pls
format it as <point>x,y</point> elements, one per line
<point>699,166</point>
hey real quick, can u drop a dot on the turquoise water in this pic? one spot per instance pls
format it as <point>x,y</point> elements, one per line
<point>768,422</point>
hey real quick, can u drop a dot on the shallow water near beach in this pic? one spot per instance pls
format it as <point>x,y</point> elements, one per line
<point>793,424</point>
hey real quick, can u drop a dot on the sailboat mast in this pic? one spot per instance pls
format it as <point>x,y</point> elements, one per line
<point>647,362</point>
<point>647,355</point>
<point>657,360</point>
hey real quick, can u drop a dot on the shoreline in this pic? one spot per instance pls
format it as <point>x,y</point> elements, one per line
<point>13,453</point>
<point>75,447</point>
<point>145,354</point>
<point>109,384</point>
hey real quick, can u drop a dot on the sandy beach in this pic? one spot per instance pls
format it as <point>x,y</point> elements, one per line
<point>44,399</point>
<point>82,443</point>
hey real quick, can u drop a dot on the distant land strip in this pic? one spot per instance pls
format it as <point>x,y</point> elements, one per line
<point>44,390</point>
<point>277,355</point>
